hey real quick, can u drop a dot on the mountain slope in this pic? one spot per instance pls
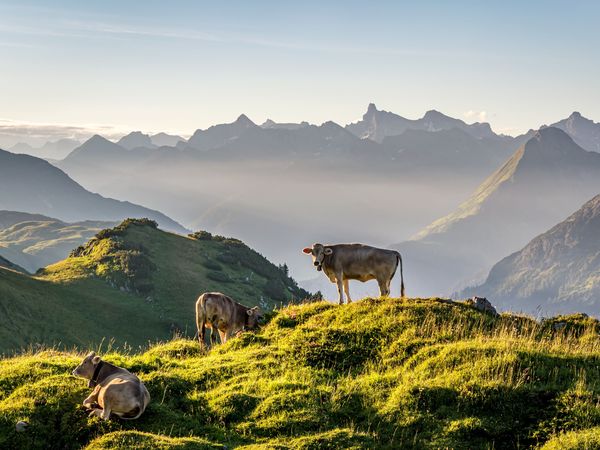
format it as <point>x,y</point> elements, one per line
<point>533,190</point>
<point>135,269</point>
<point>6,264</point>
<point>584,132</point>
<point>376,374</point>
<point>34,241</point>
<point>376,125</point>
<point>447,151</point>
<point>33,185</point>
<point>559,269</point>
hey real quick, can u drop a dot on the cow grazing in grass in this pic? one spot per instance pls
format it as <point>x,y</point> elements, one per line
<point>116,390</point>
<point>218,311</point>
<point>343,262</point>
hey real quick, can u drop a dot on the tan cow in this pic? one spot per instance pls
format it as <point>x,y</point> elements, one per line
<point>343,262</point>
<point>116,390</point>
<point>218,311</point>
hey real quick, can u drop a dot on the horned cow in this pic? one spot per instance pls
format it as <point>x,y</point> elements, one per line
<point>218,311</point>
<point>343,262</point>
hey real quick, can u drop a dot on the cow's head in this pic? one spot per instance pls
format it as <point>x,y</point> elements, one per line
<point>87,367</point>
<point>318,253</point>
<point>255,317</point>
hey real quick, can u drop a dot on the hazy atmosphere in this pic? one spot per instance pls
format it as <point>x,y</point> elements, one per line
<point>114,66</point>
<point>299,225</point>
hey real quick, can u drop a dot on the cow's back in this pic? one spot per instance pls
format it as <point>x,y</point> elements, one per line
<point>218,307</point>
<point>361,261</point>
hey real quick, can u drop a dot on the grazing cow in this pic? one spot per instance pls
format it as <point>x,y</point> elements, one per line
<point>116,390</point>
<point>343,262</point>
<point>218,311</point>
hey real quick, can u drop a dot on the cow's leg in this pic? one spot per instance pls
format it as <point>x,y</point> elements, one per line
<point>213,337</point>
<point>383,287</point>
<point>92,399</point>
<point>340,284</point>
<point>347,290</point>
<point>223,336</point>
<point>105,412</point>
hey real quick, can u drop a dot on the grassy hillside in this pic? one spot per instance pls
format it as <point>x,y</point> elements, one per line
<point>35,241</point>
<point>133,284</point>
<point>379,373</point>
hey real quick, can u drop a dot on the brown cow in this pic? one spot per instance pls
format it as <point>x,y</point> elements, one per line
<point>343,262</point>
<point>216,310</point>
<point>116,390</point>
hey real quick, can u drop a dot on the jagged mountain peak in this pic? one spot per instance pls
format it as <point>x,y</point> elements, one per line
<point>244,120</point>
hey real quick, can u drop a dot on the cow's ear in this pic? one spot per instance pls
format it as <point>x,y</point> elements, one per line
<point>96,359</point>
<point>328,251</point>
<point>90,355</point>
<point>307,250</point>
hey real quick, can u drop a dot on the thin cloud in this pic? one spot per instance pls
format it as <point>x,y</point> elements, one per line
<point>478,116</point>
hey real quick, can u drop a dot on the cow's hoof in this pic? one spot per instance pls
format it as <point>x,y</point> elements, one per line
<point>96,413</point>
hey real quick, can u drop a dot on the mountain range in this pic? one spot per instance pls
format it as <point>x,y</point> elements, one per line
<point>30,184</point>
<point>376,125</point>
<point>530,192</point>
<point>51,150</point>
<point>556,272</point>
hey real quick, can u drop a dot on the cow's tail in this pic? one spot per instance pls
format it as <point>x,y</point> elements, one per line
<point>402,293</point>
<point>201,320</point>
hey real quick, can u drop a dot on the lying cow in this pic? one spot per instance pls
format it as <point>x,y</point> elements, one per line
<point>116,390</point>
<point>343,262</point>
<point>218,311</point>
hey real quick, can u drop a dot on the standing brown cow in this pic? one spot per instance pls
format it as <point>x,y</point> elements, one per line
<point>216,310</point>
<point>343,262</point>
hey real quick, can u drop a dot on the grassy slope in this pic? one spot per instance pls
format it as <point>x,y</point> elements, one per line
<point>380,373</point>
<point>84,299</point>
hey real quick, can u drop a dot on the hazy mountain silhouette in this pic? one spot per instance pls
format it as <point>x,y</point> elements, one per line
<point>584,132</point>
<point>33,185</point>
<point>166,140</point>
<point>219,135</point>
<point>376,125</point>
<point>53,150</point>
<point>559,270</point>
<point>269,124</point>
<point>136,139</point>
<point>534,189</point>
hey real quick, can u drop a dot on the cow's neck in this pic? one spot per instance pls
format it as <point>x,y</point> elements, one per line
<point>100,373</point>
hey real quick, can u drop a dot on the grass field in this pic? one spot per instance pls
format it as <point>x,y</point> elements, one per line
<point>379,373</point>
<point>132,285</point>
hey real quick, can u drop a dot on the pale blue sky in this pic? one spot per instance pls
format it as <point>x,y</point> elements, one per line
<point>182,65</point>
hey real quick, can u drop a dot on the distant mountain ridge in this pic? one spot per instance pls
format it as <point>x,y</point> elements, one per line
<point>33,240</point>
<point>559,270</point>
<point>534,189</point>
<point>585,132</point>
<point>377,125</point>
<point>33,185</point>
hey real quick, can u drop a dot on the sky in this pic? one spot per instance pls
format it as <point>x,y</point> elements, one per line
<point>72,67</point>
